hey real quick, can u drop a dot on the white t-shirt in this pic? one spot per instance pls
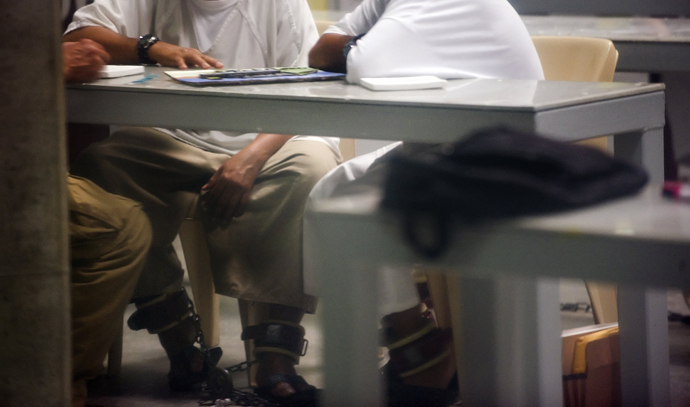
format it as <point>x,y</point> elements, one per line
<point>252,34</point>
<point>445,38</point>
<point>209,18</point>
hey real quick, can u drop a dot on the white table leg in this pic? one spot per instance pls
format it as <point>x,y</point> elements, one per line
<point>644,148</point>
<point>642,315</point>
<point>642,312</point>
<point>511,343</point>
<point>349,303</point>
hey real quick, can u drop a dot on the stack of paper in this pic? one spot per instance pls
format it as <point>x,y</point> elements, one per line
<point>115,71</point>
<point>403,83</point>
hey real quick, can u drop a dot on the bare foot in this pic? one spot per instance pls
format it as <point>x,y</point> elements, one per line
<point>271,364</point>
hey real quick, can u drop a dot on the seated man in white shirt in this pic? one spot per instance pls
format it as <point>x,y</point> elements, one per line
<point>450,39</point>
<point>254,186</point>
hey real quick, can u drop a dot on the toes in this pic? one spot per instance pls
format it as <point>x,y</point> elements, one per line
<point>283,389</point>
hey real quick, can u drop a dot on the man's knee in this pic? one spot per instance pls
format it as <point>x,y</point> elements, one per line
<point>92,160</point>
<point>107,154</point>
<point>314,161</point>
<point>99,220</point>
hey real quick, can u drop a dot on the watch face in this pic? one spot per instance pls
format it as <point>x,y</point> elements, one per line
<point>145,41</point>
<point>143,44</point>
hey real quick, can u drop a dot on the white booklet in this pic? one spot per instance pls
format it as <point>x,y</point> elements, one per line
<point>116,71</point>
<point>403,83</point>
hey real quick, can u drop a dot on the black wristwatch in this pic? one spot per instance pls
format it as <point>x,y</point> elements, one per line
<point>348,46</point>
<point>143,44</point>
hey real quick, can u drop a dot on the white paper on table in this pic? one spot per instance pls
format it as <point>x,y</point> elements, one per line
<point>116,71</point>
<point>403,83</point>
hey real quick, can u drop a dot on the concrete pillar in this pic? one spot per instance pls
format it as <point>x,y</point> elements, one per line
<point>34,298</point>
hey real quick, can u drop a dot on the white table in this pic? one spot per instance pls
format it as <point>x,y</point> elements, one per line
<point>510,340</point>
<point>644,44</point>
<point>338,109</point>
<point>563,110</point>
<point>649,45</point>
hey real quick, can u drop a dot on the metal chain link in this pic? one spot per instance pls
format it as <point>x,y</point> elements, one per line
<point>232,397</point>
<point>197,325</point>
<point>240,367</point>
<point>577,306</point>
<point>238,398</point>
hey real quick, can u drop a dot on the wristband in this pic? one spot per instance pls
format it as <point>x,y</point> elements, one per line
<point>143,44</point>
<point>348,46</point>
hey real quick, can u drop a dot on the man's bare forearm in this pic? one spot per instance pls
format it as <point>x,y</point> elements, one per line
<point>327,54</point>
<point>122,50</point>
<point>265,145</point>
<point>227,192</point>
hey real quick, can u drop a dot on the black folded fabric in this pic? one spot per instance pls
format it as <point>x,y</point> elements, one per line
<point>500,173</point>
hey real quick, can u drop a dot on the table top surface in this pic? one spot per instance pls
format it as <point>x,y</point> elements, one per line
<point>647,216</point>
<point>623,29</point>
<point>494,94</point>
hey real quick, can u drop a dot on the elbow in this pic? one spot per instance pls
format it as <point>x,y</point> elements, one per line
<point>78,34</point>
<point>320,59</point>
<point>327,54</point>
<point>315,59</point>
<point>71,36</point>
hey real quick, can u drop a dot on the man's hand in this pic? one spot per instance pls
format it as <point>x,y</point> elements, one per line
<point>226,194</point>
<point>180,57</point>
<point>82,60</point>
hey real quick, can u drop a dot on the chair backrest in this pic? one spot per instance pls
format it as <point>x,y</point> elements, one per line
<point>576,58</point>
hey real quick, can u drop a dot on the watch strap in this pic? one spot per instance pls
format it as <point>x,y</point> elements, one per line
<point>143,44</point>
<point>348,46</point>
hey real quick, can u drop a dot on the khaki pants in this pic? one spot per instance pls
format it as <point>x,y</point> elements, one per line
<point>259,256</point>
<point>109,239</point>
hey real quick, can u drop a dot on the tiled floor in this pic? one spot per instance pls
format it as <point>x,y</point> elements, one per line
<point>142,382</point>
